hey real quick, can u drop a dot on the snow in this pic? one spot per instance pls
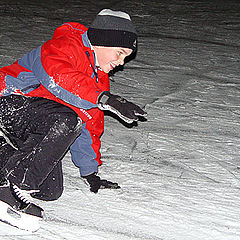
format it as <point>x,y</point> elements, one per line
<point>179,171</point>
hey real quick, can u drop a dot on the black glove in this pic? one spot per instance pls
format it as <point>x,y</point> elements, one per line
<point>127,111</point>
<point>97,183</point>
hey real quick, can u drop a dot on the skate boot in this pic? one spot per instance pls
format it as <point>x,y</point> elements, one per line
<point>17,209</point>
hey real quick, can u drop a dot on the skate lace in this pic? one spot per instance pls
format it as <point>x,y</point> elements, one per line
<point>23,195</point>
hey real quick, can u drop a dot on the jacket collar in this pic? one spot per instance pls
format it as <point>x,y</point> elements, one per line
<point>87,43</point>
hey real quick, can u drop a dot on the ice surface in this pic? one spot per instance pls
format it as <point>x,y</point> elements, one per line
<point>179,171</point>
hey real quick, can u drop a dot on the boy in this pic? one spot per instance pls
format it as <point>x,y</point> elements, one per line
<point>53,99</point>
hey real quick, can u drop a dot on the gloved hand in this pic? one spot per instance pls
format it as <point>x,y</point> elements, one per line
<point>127,111</point>
<point>97,183</point>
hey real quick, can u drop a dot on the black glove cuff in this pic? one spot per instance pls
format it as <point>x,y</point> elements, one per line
<point>103,97</point>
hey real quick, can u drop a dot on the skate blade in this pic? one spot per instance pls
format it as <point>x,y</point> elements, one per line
<point>18,219</point>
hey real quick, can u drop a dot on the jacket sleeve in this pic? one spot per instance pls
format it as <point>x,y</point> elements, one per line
<point>60,65</point>
<point>85,151</point>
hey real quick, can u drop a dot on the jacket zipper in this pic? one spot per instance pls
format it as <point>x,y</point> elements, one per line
<point>94,71</point>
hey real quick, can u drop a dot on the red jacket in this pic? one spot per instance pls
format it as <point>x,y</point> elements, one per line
<point>63,69</point>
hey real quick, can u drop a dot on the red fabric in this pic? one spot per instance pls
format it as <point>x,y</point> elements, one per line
<point>64,59</point>
<point>12,70</point>
<point>2,82</point>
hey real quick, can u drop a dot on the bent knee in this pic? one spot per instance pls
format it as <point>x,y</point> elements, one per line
<point>69,122</point>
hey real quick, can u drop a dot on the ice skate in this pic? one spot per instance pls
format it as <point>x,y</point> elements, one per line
<point>17,210</point>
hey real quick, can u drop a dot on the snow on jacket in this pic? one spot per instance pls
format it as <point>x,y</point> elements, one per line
<point>63,69</point>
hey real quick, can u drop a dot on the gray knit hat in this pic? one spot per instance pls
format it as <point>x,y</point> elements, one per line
<point>113,29</point>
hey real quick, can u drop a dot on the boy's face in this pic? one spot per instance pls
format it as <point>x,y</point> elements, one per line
<point>110,57</point>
